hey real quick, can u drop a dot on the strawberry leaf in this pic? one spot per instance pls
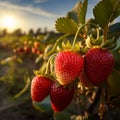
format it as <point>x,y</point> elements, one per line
<point>114,31</point>
<point>43,106</point>
<point>116,55</point>
<point>66,25</point>
<point>113,83</point>
<point>104,14</point>
<point>82,12</point>
<point>62,116</point>
<point>78,13</point>
<point>73,14</point>
<point>118,44</point>
<point>114,27</point>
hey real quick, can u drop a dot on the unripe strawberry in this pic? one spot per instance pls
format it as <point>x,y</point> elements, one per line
<point>60,96</point>
<point>40,88</point>
<point>68,66</point>
<point>98,65</point>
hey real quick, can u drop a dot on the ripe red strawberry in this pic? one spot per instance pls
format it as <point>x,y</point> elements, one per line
<point>26,49</point>
<point>36,44</point>
<point>34,50</point>
<point>68,66</point>
<point>98,65</point>
<point>40,88</point>
<point>84,80</point>
<point>60,96</point>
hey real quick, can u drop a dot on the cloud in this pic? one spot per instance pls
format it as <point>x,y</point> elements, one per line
<point>39,1</point>
<point>30,9</point>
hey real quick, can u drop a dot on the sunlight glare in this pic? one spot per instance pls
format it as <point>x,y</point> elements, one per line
<point>9,23</point>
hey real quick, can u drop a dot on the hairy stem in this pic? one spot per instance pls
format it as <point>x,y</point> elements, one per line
<point>56,43</point>
<point>80,27</point>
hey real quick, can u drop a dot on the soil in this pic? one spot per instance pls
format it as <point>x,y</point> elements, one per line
<point>23,111</point>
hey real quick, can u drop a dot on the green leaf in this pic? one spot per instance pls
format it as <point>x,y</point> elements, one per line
<point>118,44</point>
<point>73,14</point>
<point>116,54</point>
<point>43,106</point>
<point>114,27</point>
<point>113,83</point>
<point>114,31</point>
<point>78,13</point>
<point>62,116</point>
<point>82,12</point>
<point>66,45</point>
<point>106,11</point>
<point>66,25</point>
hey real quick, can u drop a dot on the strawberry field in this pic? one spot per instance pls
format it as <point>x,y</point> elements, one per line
<point>70,74</point>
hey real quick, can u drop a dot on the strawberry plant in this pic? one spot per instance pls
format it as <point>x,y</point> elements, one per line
<point>83,63</point>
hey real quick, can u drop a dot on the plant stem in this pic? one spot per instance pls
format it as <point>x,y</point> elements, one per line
<point>98,33</point>
<point>105,33</point>
<point>91,108</point>
<point>48,63</point>
<point>78,30</point>
<point>56,43</point>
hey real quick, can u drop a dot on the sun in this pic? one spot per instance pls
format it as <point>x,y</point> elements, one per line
<point>9,22</point>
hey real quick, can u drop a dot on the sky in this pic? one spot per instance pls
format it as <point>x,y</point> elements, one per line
<point>34,14</point>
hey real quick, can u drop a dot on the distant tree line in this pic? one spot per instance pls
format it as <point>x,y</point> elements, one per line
<point>18,32</point>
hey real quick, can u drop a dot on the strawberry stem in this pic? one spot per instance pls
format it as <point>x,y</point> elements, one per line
<point>78,30</point>
<point>56,43</point>
<point>105,33</point>
<point>98,33</point>
<point>49,63</point>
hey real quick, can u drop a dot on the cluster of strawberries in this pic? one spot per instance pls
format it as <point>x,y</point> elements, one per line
<point>92,68</point>
<point>28,48</point>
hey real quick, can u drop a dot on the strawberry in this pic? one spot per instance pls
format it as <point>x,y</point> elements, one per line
<point>34,50</point>
<point>36,44</point>
<point>83,79</point>
<point>98,65</point>
<point>20,50</point>
<point>40,88</point>
<point>60,96</point>
<point>68,66</point>
<point>26,49</point>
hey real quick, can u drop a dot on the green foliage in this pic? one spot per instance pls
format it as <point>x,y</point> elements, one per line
<point>62,116</point>
<point>78,13</point>
<point>116,55</point>
<point>43,106</point>
<point>113,83</point>
<point>66,25</point>
<point>114,31</point>
<point>82,12</point>
<point>106,11</point>
<point>76,16</point>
